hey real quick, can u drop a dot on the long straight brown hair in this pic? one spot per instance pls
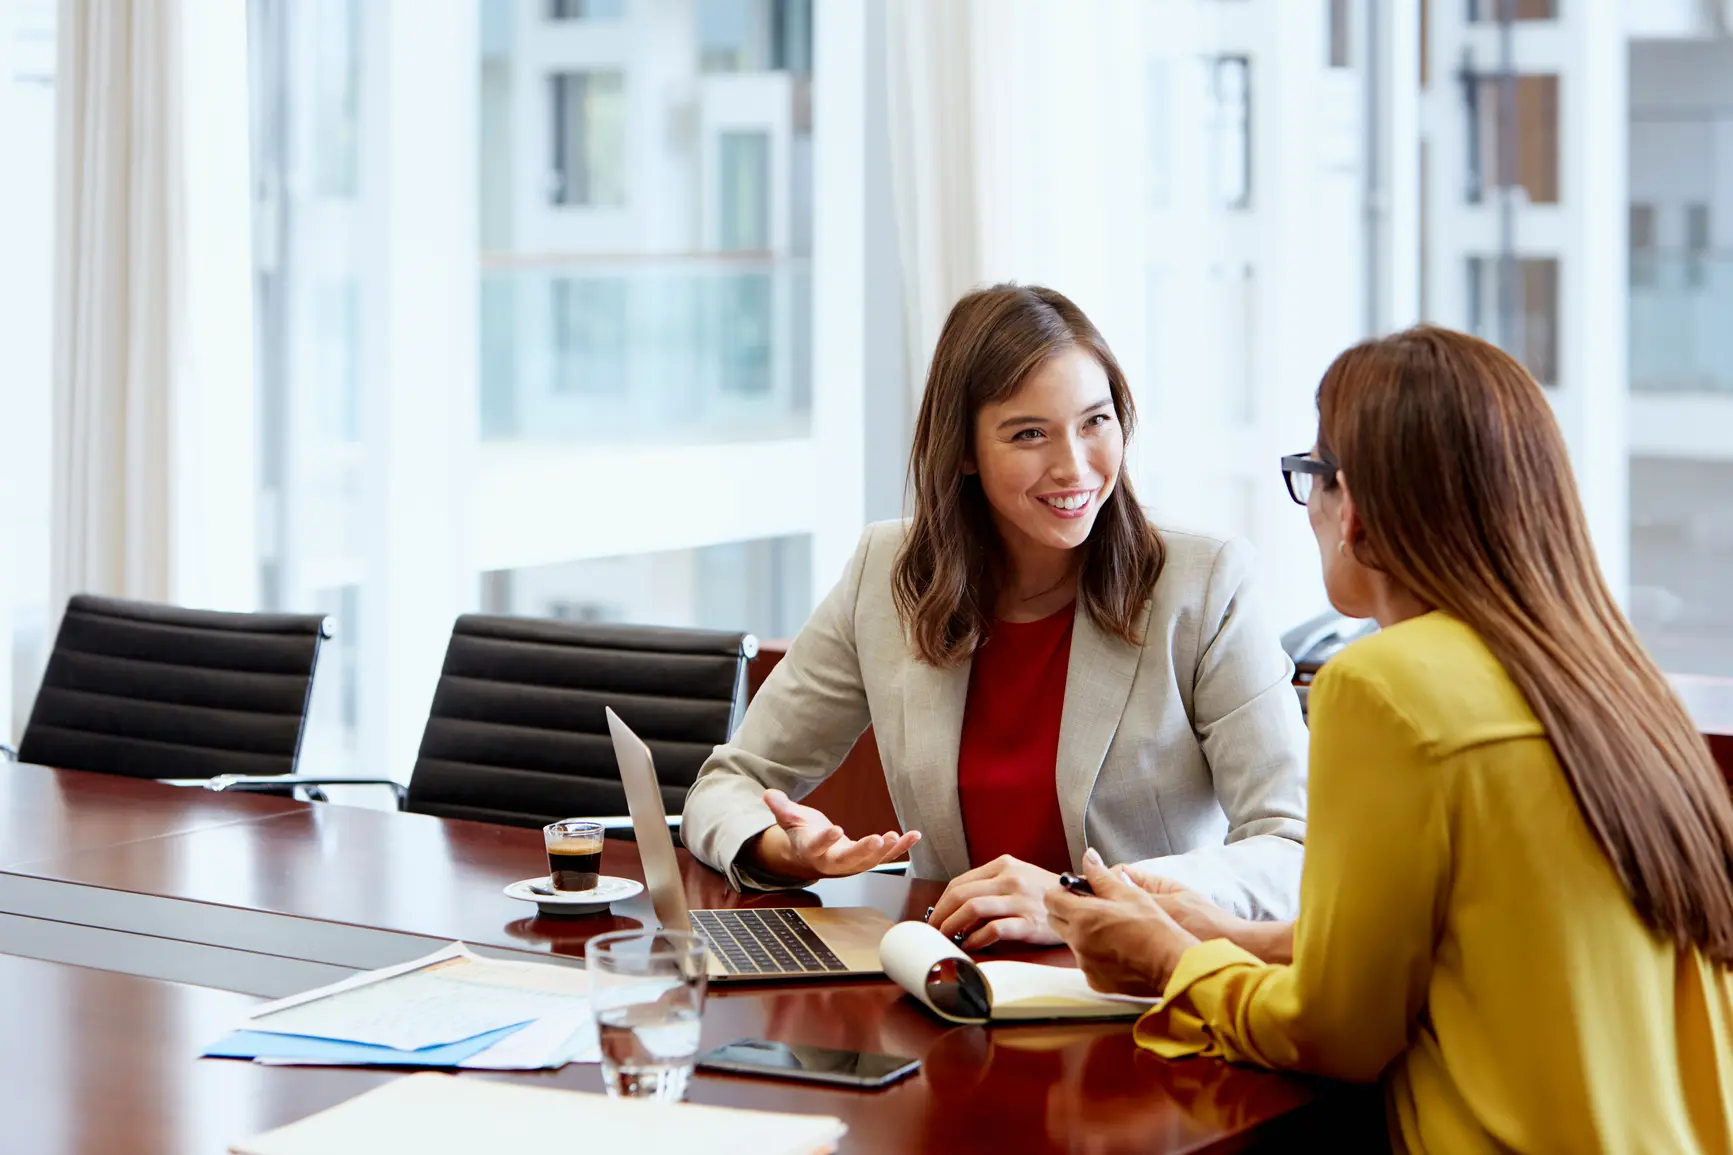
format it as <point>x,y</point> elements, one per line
<point>952,564</point>
<point>1464,488</point>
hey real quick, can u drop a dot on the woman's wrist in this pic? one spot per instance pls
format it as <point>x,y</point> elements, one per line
<point>770,853</point>
<point>1273,942</point>
<point>1169,948</point>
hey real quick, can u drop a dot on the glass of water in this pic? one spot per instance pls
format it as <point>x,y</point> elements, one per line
<point>647,994</point>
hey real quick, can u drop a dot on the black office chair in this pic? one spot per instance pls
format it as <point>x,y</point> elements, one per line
<point>155,691</point>
<point>1314,642</point>
<point>517,734</point>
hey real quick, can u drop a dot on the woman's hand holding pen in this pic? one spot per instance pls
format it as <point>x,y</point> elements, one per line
<point>1124,941</point>
<point>805,844</point>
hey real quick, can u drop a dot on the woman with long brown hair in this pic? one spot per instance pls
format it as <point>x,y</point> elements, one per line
<point>1044,671</point>
<point>1517,905</point>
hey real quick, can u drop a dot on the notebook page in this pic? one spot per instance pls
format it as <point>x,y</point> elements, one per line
<point>445,1115</point>
<point>1029,990</point>
<point>916,956</point>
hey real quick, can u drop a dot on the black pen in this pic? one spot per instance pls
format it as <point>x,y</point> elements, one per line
<point>1076,884</point>
<point>956,938</point>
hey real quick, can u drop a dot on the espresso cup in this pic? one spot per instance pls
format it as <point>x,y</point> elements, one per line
<point>574,854</point>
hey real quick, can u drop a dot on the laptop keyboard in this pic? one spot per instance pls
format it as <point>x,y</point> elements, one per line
<point>770,940</point>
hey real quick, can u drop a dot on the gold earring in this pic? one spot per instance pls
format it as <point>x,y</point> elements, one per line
<point>1342,548</point>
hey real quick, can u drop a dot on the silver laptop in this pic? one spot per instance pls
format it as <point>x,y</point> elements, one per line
<point>752,942</point>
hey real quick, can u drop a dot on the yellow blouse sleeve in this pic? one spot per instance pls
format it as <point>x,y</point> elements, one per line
<point>1372,897</point>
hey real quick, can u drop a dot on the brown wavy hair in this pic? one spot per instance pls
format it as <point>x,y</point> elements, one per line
<point>952,563</point>
<point>1465,492</point>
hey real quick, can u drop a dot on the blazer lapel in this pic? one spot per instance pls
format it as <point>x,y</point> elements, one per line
<point>933,702</point>
<point>1097,686</point>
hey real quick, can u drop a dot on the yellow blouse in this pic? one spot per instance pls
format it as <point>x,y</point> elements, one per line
<point>1462,935</point>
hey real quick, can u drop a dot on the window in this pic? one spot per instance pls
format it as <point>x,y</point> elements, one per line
<point>741,313</point>
<point>591,331</point>
<point>1681,552</point>
<point>1513,136</point>
<point>1508,10</point>
<point>335,353</point>
<point>1234,297</point>
<point>1696,245</point>
<point>755,35</point>
<point>1158,96</point>
<point>1342,33</point>
<point>1231,132</point>
<point>27,111</point>
<point>663,339</point>
<point>337,96</point>
<point>691,317</point>
<point>761,586</point>
<point>589,145</point>
<point>1643,255</point>
<point>744,160</point>
<point>586,9</point>
<point>1513,302</point>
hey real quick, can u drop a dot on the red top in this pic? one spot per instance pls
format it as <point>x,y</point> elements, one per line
<point>1010,746</point>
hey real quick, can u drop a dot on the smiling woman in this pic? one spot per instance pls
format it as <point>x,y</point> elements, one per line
<point>1017,455</point>
<point>1045,671</point>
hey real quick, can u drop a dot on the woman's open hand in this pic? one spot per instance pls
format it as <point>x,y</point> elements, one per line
<point>1124,941</point>
<point>805,844</point>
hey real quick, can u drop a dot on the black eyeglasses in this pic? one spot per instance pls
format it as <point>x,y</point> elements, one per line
<point>1299,470</point>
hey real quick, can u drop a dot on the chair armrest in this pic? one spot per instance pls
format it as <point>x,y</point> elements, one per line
<point>245,782</point>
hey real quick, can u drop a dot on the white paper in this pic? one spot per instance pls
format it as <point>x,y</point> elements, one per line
<point>545,1045</point>
<point>450,995</point>
<point>441,1115</point>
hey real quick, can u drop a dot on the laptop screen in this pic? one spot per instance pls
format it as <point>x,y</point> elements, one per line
<point>650,826</point>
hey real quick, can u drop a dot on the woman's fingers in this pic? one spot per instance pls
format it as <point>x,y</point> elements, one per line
<point>972,913</point>
<point>904,843</point>
<point>1105,882</point>
<point>1014,929</point>
<point>822,839</point>
<point>961,890</point>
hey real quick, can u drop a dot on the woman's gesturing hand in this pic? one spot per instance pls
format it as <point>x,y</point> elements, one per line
<point>805,844</point>
<point>998,902</point>
<point>1124,941</point>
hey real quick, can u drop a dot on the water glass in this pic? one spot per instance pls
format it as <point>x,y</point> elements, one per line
<point>647,995</point>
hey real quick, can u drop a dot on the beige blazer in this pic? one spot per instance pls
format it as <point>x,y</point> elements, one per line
<point>1187,753</point>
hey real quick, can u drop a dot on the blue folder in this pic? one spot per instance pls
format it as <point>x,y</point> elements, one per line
<point>336,1052</point>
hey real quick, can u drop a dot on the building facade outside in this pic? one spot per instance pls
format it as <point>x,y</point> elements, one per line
<point>582,308</point>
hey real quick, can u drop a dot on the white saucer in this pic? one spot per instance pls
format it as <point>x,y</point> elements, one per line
<point>575,902</point>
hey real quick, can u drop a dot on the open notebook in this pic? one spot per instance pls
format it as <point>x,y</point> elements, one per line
<point>446,1115</point>
<point>953,986</point>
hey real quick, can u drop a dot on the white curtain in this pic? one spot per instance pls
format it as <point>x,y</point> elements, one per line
<point>930,84</point>
<point>153,463</point>
<point>1017,142</point>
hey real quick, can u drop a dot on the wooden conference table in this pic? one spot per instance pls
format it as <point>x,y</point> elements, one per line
<point>116,888</point>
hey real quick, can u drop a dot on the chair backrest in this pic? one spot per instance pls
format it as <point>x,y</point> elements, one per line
<point>154,691</point>
<point>517,734</point>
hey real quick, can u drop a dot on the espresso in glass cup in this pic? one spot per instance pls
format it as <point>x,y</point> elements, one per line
<point>574,854</point>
